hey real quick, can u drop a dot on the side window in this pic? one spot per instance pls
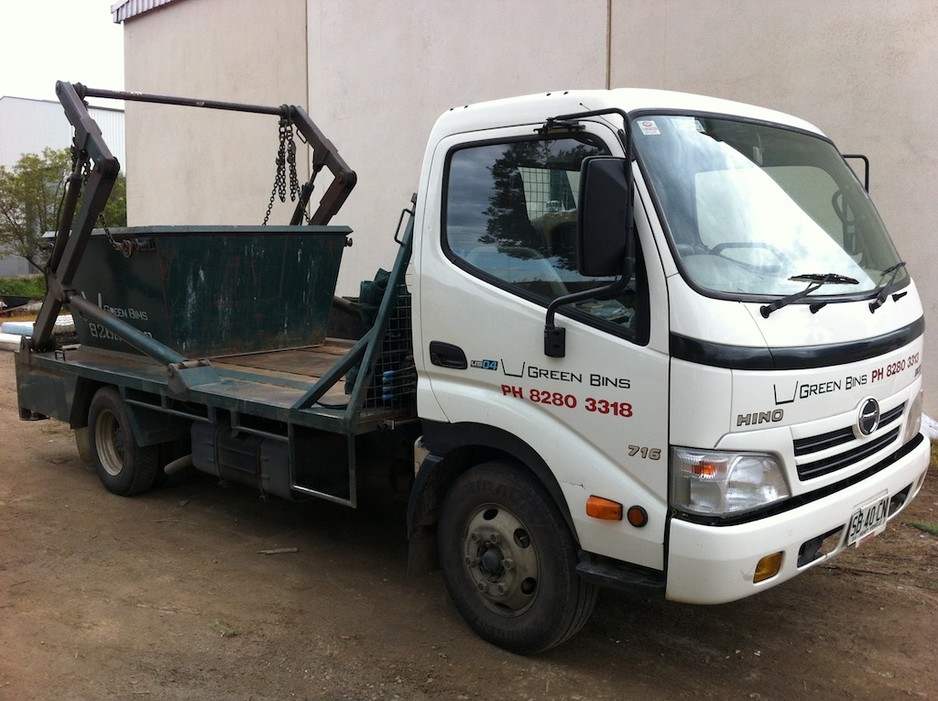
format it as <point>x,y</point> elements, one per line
<point>510,218</point>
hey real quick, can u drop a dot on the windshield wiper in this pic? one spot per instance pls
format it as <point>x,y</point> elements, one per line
<point>884,291</point>
<point>815,281</point>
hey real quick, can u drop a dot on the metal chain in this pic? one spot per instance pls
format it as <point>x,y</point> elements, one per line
<point>124,247</point>
<point>286,156</point>
<point>291,161</point>
<point>270,206</point>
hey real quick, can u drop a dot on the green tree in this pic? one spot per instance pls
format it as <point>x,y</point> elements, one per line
<point>30,195</point>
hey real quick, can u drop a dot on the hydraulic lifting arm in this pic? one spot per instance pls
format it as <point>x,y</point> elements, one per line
<point>92,187</point>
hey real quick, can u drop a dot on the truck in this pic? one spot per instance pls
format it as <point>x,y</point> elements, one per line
<point>634,339</point>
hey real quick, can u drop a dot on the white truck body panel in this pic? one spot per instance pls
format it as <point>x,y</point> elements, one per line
<point>671,401</point>
<point>715,565</point>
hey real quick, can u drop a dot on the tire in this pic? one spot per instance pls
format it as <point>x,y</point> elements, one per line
<point>509,561</point>
<point>123,467</point>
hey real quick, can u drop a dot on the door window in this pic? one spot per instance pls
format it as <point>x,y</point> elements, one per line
<point>510,218</point>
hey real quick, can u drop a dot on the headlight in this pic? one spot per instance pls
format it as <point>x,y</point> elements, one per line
<point>717,483</point>
<point>914,424</point>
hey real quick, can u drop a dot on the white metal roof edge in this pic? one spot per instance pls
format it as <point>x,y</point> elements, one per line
<point>128,9</point>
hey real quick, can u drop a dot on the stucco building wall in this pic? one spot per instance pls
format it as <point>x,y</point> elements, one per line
<point>376,75</point>
<point>861,70</point>
<point>193,166</point>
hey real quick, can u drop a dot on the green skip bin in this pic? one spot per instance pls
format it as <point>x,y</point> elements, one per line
<point>212,290</point>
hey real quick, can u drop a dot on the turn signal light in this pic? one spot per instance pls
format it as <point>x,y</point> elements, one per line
<point>637,516</point>
<point>767,568</point>
<point>604,509</point>
<point>706,469</point>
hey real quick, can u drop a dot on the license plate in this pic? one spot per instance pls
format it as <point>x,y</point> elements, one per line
<point>868,520</point>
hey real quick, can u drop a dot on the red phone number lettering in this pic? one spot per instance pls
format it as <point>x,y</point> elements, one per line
<point>561,400</point>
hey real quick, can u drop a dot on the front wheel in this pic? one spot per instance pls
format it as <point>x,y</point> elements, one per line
<point>123,467</point>
<point>509,560</point>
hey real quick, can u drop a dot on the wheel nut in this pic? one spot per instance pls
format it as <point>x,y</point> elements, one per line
<point>483,587</point>
<point>494,538</point>
<point>502,588</point>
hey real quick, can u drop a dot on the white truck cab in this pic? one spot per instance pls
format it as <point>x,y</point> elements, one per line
<point>680,324</point>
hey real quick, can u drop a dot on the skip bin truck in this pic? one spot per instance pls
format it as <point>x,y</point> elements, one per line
<point>631,338</point>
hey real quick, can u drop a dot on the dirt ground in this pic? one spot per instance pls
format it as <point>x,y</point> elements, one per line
<point>169,596</point>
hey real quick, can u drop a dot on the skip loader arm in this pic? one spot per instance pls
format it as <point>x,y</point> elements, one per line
<point>74,229</point>
<point>72,234</point>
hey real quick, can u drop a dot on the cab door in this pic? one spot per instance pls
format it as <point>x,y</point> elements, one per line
<point>497,243</point>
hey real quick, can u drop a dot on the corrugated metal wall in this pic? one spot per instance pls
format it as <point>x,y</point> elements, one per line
<point>29,126</point>
<point>112,128</point>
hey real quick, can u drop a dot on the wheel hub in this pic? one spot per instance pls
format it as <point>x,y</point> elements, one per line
<point>501,560</point>
<point>491,563</point>
<point>109,439</point>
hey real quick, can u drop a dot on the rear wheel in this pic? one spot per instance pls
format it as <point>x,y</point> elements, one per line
<point>123,467</point>
<point>509,560</point>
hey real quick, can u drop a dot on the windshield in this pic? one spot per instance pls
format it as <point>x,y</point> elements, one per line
<point>749,205</point>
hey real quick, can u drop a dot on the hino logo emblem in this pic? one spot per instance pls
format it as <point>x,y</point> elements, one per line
<point>868,417</point>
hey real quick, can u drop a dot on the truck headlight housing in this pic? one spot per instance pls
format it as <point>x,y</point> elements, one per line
<point>914,424</point>
<point>719,483</point>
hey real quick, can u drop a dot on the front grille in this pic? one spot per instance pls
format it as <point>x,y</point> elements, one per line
<point>823,441</point>
<point>852,449</point>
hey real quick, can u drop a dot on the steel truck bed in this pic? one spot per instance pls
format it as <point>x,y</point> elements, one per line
<point>305,415</point>
<point>207,345</point>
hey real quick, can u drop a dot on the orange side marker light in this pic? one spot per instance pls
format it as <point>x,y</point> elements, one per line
<point>604,509</point>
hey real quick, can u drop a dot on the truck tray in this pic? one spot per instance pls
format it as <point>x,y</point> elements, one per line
<point>212,290</point>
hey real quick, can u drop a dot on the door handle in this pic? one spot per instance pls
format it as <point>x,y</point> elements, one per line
<point>446,355</point>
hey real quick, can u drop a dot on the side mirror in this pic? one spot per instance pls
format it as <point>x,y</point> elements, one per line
<point>604,217</point>
<point>605,246</point>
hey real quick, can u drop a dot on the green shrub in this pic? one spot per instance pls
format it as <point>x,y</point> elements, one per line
<point>926,526</point>
<point>32,286</point>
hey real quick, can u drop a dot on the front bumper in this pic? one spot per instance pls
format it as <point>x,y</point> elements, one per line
<point>710,564</point>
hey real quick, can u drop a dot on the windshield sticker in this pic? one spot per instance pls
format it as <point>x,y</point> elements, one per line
<point>648,127</point>
<point>687,124</point>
